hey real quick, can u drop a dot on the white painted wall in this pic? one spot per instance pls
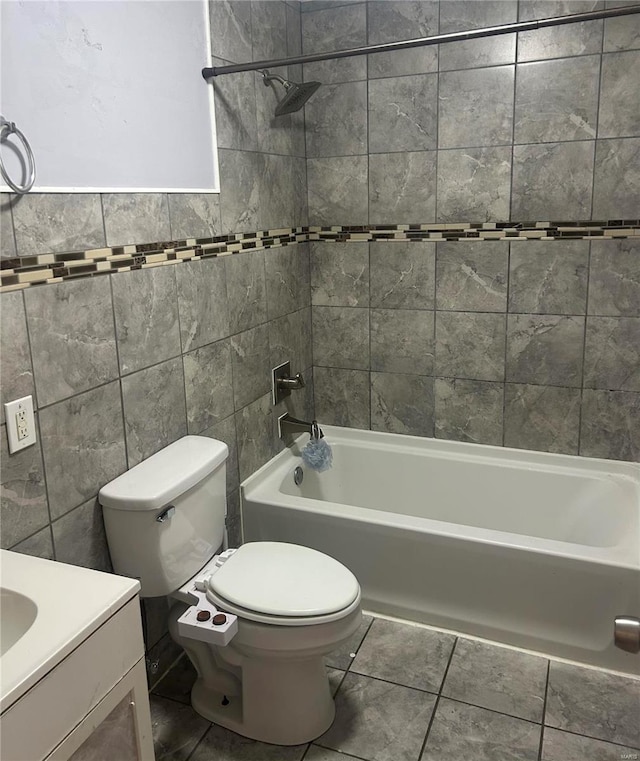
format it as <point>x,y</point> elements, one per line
<point>109,93</point>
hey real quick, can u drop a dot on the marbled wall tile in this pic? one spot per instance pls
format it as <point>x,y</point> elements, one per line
<point>40,545</point>
<point>619,114</point>
<point>545,349</point>
<point>474,184</point>
<point>336,120</point>
<point>467,116</point>
<point>145,304</point>
<point>472,275</point>
<point>559,41</point>
<point>460,15</point>
<point>194,215</point>
<point>342,397</point>
<point>154,409</point>
<point>402,404</point>
<point>378,720</point>
<point>559,746</point>
<point>469,410</point>
<point>79,538</point>
<point>83,446</point>
<point>287,279</point>
<point>236,109</point>
<point>202,302</point>
<point>402,187</point>
<point>225,431</point>
<point>549,279</point>
<point>402,274</point>
<point>458,727</point>
<point>557,100</point>
<point>278,188</point>
<point>339,274</point>
<point>612,353</point>
<point>497,678</point>
<point>290,339</point>
<point>409,655</point>
<point>268,29</point>
<point>208,386</point>
<point>251,366</point>
<point>392,20</point>
<point>300,207</point>
<point>470,345</point>
<point>338,191</point>
<point>614,278</point>
<point>403,113</point>
<point>402,341</point>
<point>240,173</point>
<point>155,616</point>
<point>7,238</point>
<point>16,373</point>
<point>544,418</point>
<point>233,519</point>
<point>50,222</point>
<point>73,341</point>
<point>246,290</point>
<point>610,425</point>
<point>294,28</point>
<point>552,181</point>
<point>135,217</point>
<point>23,497</point>
<point>230,23</point>
<point>616,182</point>
<point>622,33</point>
<point>254,428</point>
<point>341,337</point>
<point>595,703</point>
<point>335,28</point>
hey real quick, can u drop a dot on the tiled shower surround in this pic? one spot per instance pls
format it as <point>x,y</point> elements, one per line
<point>527,343</point>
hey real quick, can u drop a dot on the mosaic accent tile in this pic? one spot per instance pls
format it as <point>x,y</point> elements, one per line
<point>24,272</point>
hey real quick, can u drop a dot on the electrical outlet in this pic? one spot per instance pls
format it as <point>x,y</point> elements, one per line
<point>21,424</point>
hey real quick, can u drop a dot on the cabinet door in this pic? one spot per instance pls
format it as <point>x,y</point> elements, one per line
<point>117,729</point>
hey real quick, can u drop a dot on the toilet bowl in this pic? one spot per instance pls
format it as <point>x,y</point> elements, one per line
<point>284,607</point>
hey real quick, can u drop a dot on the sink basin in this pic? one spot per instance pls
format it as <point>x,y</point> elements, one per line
<point>46,610</point>
<point>18,615</point>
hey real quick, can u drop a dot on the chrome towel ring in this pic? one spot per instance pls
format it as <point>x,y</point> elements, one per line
<point>9,128</point>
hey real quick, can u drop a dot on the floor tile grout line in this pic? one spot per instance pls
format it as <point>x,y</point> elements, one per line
<point>437,702</point>
<point>544,709</point>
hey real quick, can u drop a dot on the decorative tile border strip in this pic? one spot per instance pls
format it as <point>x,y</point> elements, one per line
<point>22,272</point>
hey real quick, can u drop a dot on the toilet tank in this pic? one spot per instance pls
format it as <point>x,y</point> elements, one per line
<point>150,541</point>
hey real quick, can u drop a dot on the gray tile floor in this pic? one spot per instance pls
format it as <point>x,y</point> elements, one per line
<point>406,693</point>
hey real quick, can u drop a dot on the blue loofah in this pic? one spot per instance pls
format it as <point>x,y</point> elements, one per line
<point>317,455</point>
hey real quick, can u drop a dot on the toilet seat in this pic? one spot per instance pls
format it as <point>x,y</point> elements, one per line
<point>283,584</point>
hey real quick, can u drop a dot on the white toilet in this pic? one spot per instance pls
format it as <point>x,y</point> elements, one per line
<point>279,608</point>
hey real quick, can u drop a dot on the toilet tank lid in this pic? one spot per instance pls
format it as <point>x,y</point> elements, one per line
<point>159,479</point>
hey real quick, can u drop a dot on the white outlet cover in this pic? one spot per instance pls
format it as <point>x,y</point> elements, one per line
<point>11,410</point>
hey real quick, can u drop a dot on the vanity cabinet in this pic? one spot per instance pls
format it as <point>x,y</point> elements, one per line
<point>93,706</point>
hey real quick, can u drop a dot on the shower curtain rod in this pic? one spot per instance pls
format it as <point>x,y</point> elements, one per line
<point>438,39</point>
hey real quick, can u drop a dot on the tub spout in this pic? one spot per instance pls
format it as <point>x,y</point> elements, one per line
<point>289,425</point>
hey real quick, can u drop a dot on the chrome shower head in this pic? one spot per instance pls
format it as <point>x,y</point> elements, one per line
<point>296,95</point>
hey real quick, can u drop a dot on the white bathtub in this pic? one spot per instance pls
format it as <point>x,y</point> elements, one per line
<point>536,550</point>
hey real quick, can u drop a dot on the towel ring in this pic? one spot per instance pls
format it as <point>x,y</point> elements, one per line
<point>9,128</point>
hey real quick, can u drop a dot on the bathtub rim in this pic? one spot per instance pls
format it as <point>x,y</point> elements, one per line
<point>626,554</point>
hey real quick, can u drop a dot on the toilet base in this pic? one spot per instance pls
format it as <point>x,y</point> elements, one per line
<point>283,702</point>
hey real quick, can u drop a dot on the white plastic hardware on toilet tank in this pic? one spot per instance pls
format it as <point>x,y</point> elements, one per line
<point>537,550</point>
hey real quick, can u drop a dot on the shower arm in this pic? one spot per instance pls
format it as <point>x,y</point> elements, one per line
<point>438,39</point>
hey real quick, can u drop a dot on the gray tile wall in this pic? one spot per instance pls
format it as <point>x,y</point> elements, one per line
<point>529,344</point>
<point>536,126</point>
<point>120,366</point>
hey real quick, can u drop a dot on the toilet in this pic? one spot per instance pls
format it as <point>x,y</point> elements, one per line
<point>256,621</point>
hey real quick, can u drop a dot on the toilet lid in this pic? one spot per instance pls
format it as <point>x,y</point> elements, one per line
<point>284,580</point>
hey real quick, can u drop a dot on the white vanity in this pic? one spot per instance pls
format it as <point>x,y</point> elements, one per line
<point>72,677</point>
